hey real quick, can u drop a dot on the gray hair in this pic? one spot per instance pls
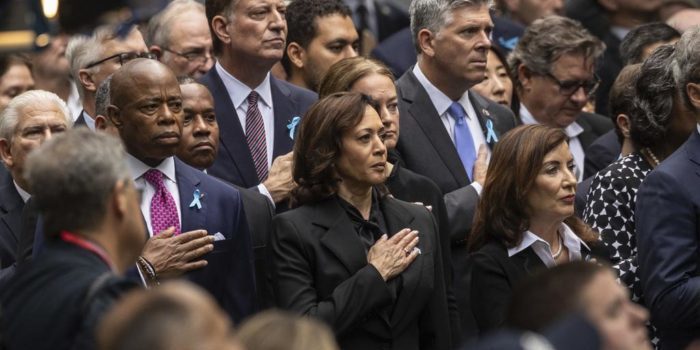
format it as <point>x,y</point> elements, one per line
<point>549,38</point>
<point>434,14</point>
<point>9,118</point>
<point>72,176</point>
<point>102,100</point>
<point>158,30</point>
<point>686,67</point>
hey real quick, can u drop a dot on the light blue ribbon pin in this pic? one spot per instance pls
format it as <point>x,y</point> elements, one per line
<point>196,202</point>
<point>292,126</point>
<point>490,133</point>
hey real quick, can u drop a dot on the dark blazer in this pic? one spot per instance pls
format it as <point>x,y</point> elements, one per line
<point>608,69</point>
<point>594,126</point>
<point>390,18</point>
<point>319,268</point>
<point>495,274</point>
<point>45,305</point>
<point>601,153</point>
<point>234,163</point>
<point>11,205</point>
<point>425,147</point>
<point>668,243</point>
<point>397,52</point>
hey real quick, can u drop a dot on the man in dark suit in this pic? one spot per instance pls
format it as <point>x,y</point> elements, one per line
<point>146,110</point>
<point>553,71</point>
<point>443,124</point>
<point>257,113</point>
<point>668,220</point>
<point>94,233</point>
<point>198,147</point>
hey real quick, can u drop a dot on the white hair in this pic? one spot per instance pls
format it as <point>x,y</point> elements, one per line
<point>32,98</point>
<point>158,29</point>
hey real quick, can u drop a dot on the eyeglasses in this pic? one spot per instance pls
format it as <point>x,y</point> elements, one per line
<point>123,58</point>
<point>569,87</point>
<point>198,56</point>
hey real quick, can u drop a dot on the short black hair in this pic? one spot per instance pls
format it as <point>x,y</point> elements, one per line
<point>214,8</point>
<point>301,21</point>
<point>632,46</point>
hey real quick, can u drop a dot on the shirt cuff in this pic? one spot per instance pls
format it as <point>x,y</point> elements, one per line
<point>263,191</point>
<point>477,186</point>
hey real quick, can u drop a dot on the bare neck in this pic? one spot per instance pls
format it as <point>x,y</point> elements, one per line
<point>453,88</point>
<point>248,71</point>
<point>89,104</point>
<point>359,196</point>
<point>547,230</point>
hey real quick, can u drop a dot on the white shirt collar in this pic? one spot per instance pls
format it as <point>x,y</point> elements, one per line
<point>573,130</point>
<point>22,193</point>
<point>571,241</point>
<point>440,101</point>
<point>239,92</point>
<point>138,168</point>
<point>89,121</point>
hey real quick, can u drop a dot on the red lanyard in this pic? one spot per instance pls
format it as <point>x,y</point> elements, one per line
<point>87,245</point>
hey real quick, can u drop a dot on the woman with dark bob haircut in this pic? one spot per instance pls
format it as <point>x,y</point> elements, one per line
<point>365,263</point>
<point>525,219</point>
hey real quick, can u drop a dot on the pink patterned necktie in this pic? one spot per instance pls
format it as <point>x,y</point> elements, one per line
<point>163,208</point>
<point>255,136</point>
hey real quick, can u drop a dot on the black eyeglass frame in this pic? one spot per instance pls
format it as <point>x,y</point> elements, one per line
<point>193,56</point>
<point>123,58</point>
<point>589,87</point>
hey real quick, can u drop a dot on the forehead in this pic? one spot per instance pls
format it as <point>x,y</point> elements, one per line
<point>17,73</point>
<point>370,120</point>
<point>41,113</point>
<point>335,26</point>
<point>145,84</point>
<point>468,15</point>
<point>132,42</point>
<point>374,83</point>
<point>188,28</point>
<point>193,93</point>
<point>573,66</point>
<point>561,152</point>
<point>243,5</point>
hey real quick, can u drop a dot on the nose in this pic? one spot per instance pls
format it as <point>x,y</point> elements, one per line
<point>379,146</point>
<point>558,6</point>
<point>499,87</point>
<point>639,314</point>
<point>278,21</point>
<point>349,52</point>
<point>167,116</point>
<point>200,127</point>
<point>484,42</point>
<point>47,134</point>
<point>579,96</point>
<point>570,179</point>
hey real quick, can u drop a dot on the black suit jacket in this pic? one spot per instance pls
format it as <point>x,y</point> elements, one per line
<point>80,121</point>
<point>234,162</point>
<point>668,243</point>
<point>601,153</point>
<point>11,205</point>
<point>594,126</point>
<point>608,69</point>
<point>319,268</point>
<point>425,147</point>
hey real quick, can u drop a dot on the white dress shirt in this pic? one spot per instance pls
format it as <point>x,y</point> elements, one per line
<point>571,241</point>
<point>572,131</point>
<point>167,167</point>
<point>89,121</point>
<point>442,104</point>
<point>22,193</point>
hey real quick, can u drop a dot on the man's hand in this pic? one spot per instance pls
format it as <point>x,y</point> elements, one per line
<point>481,165</point>
<point>171,256</point>
<point>279,180</point>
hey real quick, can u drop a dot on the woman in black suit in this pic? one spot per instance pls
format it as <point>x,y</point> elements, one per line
<point>365,263</point>
<point>525,219</point>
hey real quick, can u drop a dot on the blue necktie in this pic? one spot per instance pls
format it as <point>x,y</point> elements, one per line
<point>463,138</point>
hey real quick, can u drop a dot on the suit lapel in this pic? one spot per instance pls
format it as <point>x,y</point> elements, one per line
<point>284,108</point>
<point>10,201</point>
<point>340,238</point>
<point>587,137</point>
<point>421,108</point>
<point>232,138</point>
<point>484,116</point>
<point>528,261</point>
<point>193,218</point>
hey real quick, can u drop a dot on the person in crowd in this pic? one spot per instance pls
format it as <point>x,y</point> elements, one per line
<point>51,71</point>
<point>658,125</point>
<point>525,220</point>
<point>179,36</point>
<point>376,20</point>
<point>198,146</point>
<point>93,58</point>
<point>447,131</point>
<point>553,69</point>
<point>497,85</point>
<point>666,218</point>
<point>372,78</point>
<point>363,262</point>
<point>94,234</point>
<point>257,113</point>
<point>637,45</point>
<point>273,330</point>
<point>321,33</point>
<point>176,315</point>
<point>15,77</point>
<point>146,109</point>
<point>586,288</point>
<point>525,12</point>
<point>29,120</point>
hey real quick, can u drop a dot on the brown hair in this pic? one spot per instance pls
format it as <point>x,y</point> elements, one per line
<point>277,330</point>
<point>319,145</point>
<point>345,73</point>
<point>515,163</point>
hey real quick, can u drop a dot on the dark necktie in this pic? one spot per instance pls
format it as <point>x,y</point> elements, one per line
<point>255,136</point>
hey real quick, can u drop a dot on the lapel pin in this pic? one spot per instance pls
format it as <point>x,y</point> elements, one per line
<point>292,126</point>
<point>485,112</point>
<point>196,200</point>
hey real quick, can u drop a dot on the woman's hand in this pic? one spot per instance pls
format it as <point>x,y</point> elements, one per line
<point>391,256</point>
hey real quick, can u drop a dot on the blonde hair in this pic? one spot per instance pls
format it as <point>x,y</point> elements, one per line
<point>277,330</point>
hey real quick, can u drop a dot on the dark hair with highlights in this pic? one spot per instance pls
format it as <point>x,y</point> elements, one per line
<point>515,163</point>
<point>319,145</point>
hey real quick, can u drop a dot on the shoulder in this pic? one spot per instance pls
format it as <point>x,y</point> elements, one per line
<point>213,186</point>
<point>598,123</point>
<point>499,113</point>
<point>414,181</point>
<point>294,92</point>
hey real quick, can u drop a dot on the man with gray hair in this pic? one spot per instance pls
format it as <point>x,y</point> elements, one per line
<point>92,58</point>
<point>179,35</point>
<point>29,120</point>
<point>668,220</point>
<point>553,68</point>
<point>94,233</point>
<point>446,129</point>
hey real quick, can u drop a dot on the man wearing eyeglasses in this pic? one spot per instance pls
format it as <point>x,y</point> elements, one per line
<point>553,67</point>
<point>179,35</point>
<point>93,58</point>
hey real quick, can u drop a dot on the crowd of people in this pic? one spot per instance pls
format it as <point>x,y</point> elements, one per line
<point>352,174</point>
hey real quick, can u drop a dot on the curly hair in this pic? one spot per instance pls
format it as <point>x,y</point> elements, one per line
<point>319,145</point>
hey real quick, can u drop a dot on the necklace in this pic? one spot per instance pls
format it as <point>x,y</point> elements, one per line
<point>651,154</point>
<point>556,255</point>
